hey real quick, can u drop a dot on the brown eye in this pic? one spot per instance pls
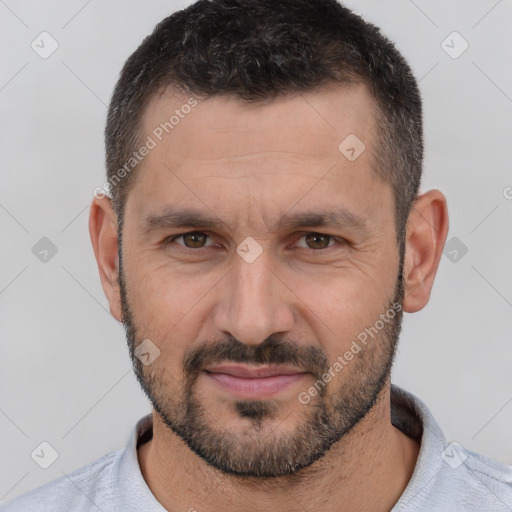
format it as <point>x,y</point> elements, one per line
<point>192,240</point>
<point>317,240</point>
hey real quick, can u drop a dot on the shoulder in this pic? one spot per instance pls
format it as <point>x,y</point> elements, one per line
<point>469,482</point>
<point>486,482</point>
<point>86,488</point>
<point>447,476</point>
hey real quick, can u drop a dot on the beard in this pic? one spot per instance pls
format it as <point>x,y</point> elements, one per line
<point>261,450</point>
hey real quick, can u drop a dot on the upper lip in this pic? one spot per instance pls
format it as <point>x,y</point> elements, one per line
<point>254,372</point>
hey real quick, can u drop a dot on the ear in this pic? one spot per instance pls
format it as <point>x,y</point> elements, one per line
<point>427,229</point>
<point>103,233</point>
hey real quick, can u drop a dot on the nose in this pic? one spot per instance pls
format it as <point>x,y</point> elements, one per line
<point>256,302</point>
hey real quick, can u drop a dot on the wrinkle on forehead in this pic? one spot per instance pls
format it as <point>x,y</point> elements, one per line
<point>236,157</point>
<point>314,122</point>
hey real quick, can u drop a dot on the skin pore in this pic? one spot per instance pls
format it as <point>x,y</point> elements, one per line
<point>245,166</point>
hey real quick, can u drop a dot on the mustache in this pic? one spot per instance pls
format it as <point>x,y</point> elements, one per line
<point>272,351</point>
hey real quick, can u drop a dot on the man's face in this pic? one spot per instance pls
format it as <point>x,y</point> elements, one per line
<point>253,292</point>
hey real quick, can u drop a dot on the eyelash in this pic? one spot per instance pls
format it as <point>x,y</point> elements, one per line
<point>168,241</point>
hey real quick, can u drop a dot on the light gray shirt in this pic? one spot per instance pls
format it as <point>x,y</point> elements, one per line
<point>446,478</point>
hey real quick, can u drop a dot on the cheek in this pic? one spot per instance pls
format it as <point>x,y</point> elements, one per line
<point>160,293</point>
<point>343,307</point>
<point>348,293</point>
<point>167,307</point>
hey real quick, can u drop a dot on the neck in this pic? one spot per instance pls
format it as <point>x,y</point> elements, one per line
<point>367,470</point>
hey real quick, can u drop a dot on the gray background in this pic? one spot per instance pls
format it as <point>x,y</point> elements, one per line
<point>65,372</point>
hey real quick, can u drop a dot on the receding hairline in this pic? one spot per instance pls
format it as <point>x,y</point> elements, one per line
<point>181,94</point>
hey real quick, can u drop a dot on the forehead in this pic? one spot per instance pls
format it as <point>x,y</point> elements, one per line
<point>230,153</point>
<point>316,122</point>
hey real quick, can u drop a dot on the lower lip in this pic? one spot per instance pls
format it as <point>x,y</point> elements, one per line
<point>265,386</point>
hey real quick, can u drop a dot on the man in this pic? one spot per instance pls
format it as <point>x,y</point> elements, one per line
<point>264,234</point>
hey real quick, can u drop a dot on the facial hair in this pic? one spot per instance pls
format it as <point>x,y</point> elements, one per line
<point>260,451</point>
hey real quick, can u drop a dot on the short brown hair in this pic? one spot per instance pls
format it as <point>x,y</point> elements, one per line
<point>258,50</point>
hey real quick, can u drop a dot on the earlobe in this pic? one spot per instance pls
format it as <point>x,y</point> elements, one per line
<point>427,229</point>
<point>103,233</point>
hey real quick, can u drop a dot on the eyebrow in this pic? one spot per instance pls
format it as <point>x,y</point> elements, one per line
<point>178,218</point>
